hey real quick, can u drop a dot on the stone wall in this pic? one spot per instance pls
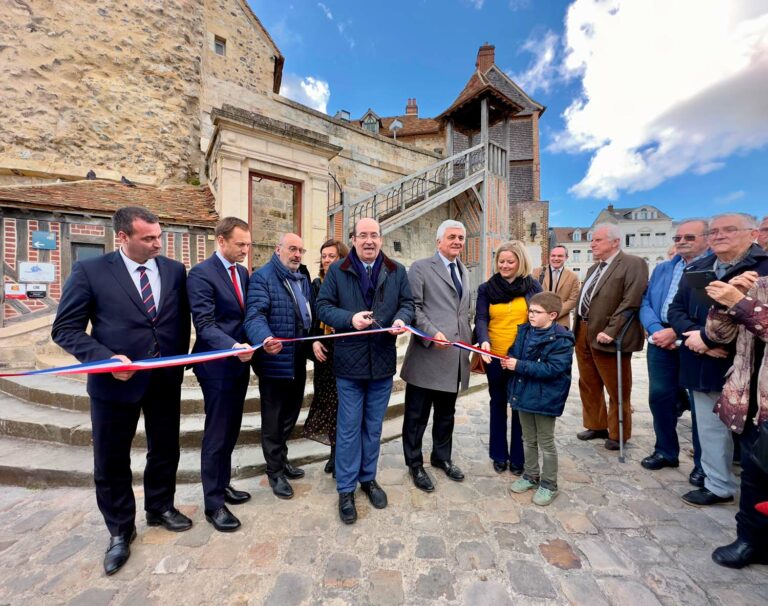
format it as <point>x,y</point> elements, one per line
<point>108,86</point>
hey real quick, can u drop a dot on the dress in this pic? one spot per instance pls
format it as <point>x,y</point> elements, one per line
<point>321,419</point>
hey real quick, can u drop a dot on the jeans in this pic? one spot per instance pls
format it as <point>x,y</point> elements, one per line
<point>498,448</point>
<point>663,370</point>
<point>362,406</point>
<point>717,450</point>
<point>539,435</point>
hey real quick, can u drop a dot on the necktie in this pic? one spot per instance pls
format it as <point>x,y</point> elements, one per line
<point>239,295</point>
<point>555,280</point>
<point>369,271</point>
<point>722,269</point>
<point>587,300</point>
<point>455,278</point>
<point>146,292</point>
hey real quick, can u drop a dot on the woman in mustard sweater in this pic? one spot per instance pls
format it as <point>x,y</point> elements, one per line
<point>502,305</point>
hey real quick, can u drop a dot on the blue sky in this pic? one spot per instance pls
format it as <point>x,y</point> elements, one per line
<point>648,101</point>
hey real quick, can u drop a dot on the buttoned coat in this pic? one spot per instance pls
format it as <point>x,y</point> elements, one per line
<point>438,309</point>
<point>567,288</point>
<point>617,297</point>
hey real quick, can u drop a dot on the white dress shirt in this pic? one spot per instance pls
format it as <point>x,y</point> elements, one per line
<point>152,274</point>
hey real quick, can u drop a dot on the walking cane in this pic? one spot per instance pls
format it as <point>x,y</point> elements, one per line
<point>618,341</point>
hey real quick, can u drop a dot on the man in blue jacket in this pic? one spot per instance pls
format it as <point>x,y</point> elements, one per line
<point>280,305</point>
<point>703,363</point>
<point>367,289</point>
<point>216,290</point>
<point>663,352</point>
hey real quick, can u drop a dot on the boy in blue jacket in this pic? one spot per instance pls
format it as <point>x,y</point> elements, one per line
<point>540,360</point>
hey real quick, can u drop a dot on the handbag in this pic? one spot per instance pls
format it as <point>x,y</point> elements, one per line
<point>476,364</point>
<point>760,448</point>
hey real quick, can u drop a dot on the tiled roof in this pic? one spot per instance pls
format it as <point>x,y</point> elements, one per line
<point>179,204</point>
<point>412,125</point>
<point>478,85</point>
<point>564,235</point>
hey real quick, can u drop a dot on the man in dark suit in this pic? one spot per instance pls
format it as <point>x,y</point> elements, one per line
<point>216,289</point>
<point>434,373</point>
<point>612,293</point>
<point>136,302</point>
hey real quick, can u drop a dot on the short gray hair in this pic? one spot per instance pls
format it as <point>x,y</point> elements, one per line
<point>613,230</point>
<point>703,220</point>
<point>449,223</point>
<point>748,220</point>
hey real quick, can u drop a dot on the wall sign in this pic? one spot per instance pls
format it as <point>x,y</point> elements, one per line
<point>44,240</point>
<point>36,291</point>
<point>15,291</point>
<point>36,272</point>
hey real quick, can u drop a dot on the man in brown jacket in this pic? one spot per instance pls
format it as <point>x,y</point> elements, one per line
<point>561,281</point>
<point>611,295</point>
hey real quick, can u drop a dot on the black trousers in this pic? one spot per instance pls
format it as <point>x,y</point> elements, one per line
<point>224,399</point>
<point>114,426</point>
<point>281,401</point>
<point>418,403</point>
<point>751,525</point>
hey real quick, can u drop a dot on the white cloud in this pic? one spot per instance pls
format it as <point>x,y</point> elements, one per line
<point>543,70</point>
<point>476,4</point>
<point>344,32</point>
<point>308,90</point>
<point>326,10</point>
<point>518,5</point>
<point>730,198</point>
<point>667,88</point>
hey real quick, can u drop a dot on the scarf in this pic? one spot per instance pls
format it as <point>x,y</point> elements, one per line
<point>299,286</point>
<point>501,291</point>
<point>367,285</point>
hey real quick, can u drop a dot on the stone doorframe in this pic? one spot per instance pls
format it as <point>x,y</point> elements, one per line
<point>245,142</point>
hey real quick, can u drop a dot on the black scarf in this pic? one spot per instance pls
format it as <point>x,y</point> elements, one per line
<point>501,291</point>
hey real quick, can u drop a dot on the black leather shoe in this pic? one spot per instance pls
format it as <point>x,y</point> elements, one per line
<point>612,444</point>
<point>235,497</point>
<point>172,520</point>
<point>118,552</point>
<point>697,477</point>
<point>656,461</point>
<point>499,466</point>
<point>347,511</point>
<point>451,470</point>
<point>738,555</point>
<point>223,519</point>
<point>703,498</point>
<point>421,479</point>
<point>515,470</point>
<point>294,473</point>
<point>281,487</point>
<point>330,466</point>
<point>376,494</point>
<point>592,434</point>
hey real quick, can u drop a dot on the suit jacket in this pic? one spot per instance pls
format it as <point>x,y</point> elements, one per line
<point>217,316</point>
<point>100,291</point>
<point>618,295</point>
<point>438,309</point>
<point>567,289</point>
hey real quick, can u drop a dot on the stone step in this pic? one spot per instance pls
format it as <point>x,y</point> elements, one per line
<point>60,392</point>
<point>20,419</point>
<point>34,464</point>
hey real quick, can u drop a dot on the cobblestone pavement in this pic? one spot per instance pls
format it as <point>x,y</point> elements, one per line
<point>617,534</point>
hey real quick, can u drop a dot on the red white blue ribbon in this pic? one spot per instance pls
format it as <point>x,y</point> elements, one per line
<point>115,365</point>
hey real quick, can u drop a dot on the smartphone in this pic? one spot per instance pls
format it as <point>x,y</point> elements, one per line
<point>698,280</point>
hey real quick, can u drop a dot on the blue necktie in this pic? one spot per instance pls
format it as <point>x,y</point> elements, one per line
<point>456,281</point>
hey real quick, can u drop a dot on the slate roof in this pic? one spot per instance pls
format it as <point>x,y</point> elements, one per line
<point>176,204</point>
<point>477,86</point>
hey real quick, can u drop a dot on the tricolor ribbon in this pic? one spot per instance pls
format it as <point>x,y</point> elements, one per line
<point>114,365</point>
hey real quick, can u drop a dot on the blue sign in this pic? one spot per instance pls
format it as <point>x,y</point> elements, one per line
<point>44,240</point>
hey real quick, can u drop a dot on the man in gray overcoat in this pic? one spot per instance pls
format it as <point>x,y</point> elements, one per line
<point>434,373</point>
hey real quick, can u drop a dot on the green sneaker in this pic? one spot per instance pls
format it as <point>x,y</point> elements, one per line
<point>544,496</point>
<point>522,485</point>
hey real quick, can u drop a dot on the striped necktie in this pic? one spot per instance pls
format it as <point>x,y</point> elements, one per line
<point>587,300</point>
<point>146,293</point>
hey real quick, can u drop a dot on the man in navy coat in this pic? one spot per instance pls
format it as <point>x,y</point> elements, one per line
<point>216,290</point>
<point>136,302</point>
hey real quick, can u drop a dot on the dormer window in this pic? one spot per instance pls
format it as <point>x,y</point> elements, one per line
<point>371,124</point>
<point>577,235</point>
<point>589,236</point>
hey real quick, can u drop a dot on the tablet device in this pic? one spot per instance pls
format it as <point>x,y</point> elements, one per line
<point>698,280</point>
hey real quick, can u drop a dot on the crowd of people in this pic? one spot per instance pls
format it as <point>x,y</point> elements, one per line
<point>702,315</point>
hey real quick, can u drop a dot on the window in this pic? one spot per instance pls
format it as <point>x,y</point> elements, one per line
<point>589,256</point>
<point>589,236</point>
<point>630,240</point>
<point>645,238</point>
<point>371,124</point>
<point>576,256</point>
<point>577,236</point>
<point>220,46</point>
<point>86,251</point>
<point>397,246</point>
<point>661,239</point>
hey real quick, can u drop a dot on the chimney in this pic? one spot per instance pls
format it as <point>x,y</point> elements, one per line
<point>411,109</point>
<point>610,208</point>
<point>485,57</point>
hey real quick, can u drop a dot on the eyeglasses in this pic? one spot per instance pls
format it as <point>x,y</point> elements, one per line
<point>727,231</point>
<point>364,236</point>
<point>295,249</point>
<point>686,237</point>
<point>536,312</point>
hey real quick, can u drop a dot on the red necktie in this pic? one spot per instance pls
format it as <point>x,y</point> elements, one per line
<point>237,288</point>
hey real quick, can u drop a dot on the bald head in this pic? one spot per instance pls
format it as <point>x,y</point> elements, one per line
<point>290,249</point>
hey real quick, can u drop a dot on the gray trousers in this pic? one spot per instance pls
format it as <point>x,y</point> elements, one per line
<point>539,435</point>
<point>716,445</point>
